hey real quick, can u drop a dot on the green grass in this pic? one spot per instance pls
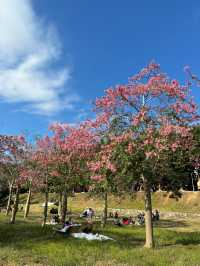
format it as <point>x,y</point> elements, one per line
<point>26,243</point>
<point>177,241</point>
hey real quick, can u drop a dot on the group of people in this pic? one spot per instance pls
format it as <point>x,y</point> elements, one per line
<point>126,221</point>
<point>55,219</point>
<point>139,219</point>
<point>123,221</point>
<point>88,213</point>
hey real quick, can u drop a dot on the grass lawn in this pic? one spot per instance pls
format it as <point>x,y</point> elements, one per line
<point>26,243</point>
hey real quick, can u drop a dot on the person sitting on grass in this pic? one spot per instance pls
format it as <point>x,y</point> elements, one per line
<point>140,220</point>
<point>55,219</point>
<point>87,227</point>
<point>117,222</point>
<point>156,215</point>
<point>66,227</point>
<point>125,221</point>
<point>131,221</point>
<point>68,222</point>
<point>54,211</point>
<point>88,213</point>
<point>84,214</point>
<point>116,215</point>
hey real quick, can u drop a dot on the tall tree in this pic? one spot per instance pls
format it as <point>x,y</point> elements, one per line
<point>160,114</point>
<point>71,146</point>
<point>12,159</point>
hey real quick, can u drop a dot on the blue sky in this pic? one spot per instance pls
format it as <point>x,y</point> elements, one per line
<point>58,56</point>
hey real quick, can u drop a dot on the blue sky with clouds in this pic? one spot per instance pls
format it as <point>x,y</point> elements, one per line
<point>57,56</point>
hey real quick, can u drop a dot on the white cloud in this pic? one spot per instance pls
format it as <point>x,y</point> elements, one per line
<point>29,50</point>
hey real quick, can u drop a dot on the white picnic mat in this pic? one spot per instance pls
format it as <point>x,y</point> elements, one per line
<point>91,236</point>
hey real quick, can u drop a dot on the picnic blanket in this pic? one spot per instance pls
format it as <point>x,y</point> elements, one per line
<point>91,236</point>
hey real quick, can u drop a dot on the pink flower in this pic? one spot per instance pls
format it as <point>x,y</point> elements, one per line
<point>21,139</point>
<point>55,173</point>
<point>111,167</point>
<point>150,154</point>
<point>174,146</point>
<point>96,177</point>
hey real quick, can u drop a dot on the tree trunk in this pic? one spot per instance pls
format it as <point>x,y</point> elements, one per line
<point>28,201</point>
<point>46,204</point>
<point>15,206</point>
<point>148,215</point>
<point>198,184</point>
<point>60,204</point>
<point>105,211</point>
<point>9,198</point>
<point>64,206</point>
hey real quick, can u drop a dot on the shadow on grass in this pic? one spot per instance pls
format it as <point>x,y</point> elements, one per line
<point>188,238</point>
<point>22,232</point>
<point>23,235</point>
<point>170,224</point>
<point>26,234</point>
<point>170,239</point>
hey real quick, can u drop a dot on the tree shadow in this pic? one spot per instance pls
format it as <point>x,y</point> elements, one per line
<point>188,238</point>
<point>170,224</point>
<point>24,235</point>
<point>22,232</point>
<point>174,239</point>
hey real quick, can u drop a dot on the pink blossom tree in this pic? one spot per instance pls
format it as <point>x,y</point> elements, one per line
<point>71,146</point>
<point>160,112</point>
<point>13,155</point>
